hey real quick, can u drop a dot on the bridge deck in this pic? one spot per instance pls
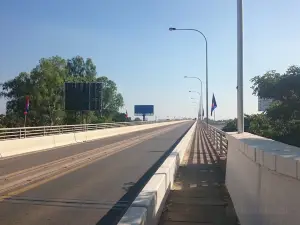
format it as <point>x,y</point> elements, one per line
<point>199,195</point>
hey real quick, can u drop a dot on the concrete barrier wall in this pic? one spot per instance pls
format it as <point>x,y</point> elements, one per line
<point>263,179</point>
<point>146,209</point>
<point>21,146</point>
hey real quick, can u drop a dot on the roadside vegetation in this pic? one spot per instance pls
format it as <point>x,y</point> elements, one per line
<point>44,85</point>
<point>281,121</point>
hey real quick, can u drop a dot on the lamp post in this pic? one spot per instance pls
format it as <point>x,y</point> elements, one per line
<point>195,103</point>
<point>174,29</point>
<point>200,105</point>
<point>201,95</point>
<point>240,106</point>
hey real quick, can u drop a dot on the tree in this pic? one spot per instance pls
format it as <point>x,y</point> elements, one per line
<point>283,89</point>
<point>263,86</point>
<point>120,117</point>
<point>2,121</point>
<point>85,71</point>
<point>45,87</point>
<point>231,126</point>
<point>281,121</point>
<point>80,70</point>
<point>47,95</point>
<point>15,91</point>
<point>112,100</point>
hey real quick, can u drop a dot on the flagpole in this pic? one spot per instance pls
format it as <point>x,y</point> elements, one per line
<point>25,113</point>
<point>25,117</point>
<point>214,115</point>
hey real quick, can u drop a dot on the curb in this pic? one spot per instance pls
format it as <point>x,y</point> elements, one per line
<point>147,207</point>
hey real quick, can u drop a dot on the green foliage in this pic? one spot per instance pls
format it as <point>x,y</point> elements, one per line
<point>281,121</point>
<point>215,122</point>
<point>112,100</point>
<point>230,126</point>
<point>44,86</point>
<point>120,117</point>
<point>2,120</point>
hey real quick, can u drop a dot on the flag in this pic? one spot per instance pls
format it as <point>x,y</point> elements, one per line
<point>126,115</point>
<point>213,104</point>
<point>26,105</point>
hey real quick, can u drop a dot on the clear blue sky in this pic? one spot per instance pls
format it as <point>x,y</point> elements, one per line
<point>130,43</point>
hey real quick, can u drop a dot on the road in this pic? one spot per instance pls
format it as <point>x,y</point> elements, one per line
<point>86,194</point>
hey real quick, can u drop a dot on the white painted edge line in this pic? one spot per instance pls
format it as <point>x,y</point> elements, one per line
<point>153,196</point>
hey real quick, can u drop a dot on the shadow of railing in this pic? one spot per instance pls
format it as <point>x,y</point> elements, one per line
<point>199,194</point>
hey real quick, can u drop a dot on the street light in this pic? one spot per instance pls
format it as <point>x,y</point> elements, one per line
<point>174,29</point>
<point>194,104</point>
<point>201,96</point>
<point>200,105</point>
<point>195,92</point>
<point>240,104</point>
<point>196,101</point>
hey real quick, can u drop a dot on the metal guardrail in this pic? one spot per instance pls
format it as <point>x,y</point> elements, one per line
<point>27,132</point>
<point>217,138</point>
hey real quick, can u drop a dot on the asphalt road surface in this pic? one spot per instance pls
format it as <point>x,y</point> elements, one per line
<point>83,196</point>
<point>14,164</point>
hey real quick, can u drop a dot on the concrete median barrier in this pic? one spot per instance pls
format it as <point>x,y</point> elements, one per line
<point>135,216</point>
<point>153,196</point>
<point>92,135</point>
<point>21,146</point>
<point>64,139</point>
<point>28,145</point>
<point>80,137</point>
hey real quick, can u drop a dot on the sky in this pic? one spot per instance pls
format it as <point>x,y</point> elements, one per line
<point>130,43</point>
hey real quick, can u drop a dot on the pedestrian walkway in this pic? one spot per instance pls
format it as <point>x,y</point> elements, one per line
<point>199,195</point>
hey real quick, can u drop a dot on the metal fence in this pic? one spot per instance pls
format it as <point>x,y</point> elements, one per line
<point>26,132</point>
<point>217,138</point>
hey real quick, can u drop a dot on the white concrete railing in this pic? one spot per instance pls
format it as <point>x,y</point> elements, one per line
<point>263,179</point>
<point>26,132</point>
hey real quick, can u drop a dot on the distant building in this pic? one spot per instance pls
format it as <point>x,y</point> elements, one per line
<point>264,104</point>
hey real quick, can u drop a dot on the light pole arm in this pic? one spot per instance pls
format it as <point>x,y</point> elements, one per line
<point>200,100</point>
<point>194,30</point>
<point>206,58</point>
<point>201,97</point>
<point>195,78</point>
